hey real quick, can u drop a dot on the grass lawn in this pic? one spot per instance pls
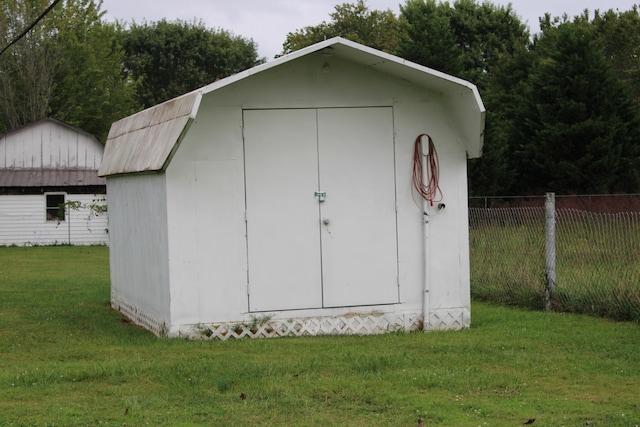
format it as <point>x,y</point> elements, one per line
<point>67,359</point>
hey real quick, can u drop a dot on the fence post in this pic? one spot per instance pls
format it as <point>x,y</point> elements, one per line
<point>550,248</point>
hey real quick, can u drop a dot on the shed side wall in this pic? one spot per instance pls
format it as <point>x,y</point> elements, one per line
<point>138,248</point>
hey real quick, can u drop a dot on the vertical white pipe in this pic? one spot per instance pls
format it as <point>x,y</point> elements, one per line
<point>426,263</point>
<point>68,218</point>
<point>424,151</point>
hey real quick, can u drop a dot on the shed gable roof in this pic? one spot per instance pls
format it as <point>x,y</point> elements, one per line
<point>146,141</point>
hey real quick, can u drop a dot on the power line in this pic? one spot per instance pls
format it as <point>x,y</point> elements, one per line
<point>26,30</point>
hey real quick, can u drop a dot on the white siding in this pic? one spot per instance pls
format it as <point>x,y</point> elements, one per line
<point>138,248</point>
<point>49,145</point>
<point>207,229</point>
<point>23,221</point>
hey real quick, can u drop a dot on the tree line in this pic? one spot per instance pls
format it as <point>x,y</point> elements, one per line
<point>562,104</point>
<point>79,68</point>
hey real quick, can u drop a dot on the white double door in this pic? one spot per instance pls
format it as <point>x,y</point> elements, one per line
<point>321,208</point>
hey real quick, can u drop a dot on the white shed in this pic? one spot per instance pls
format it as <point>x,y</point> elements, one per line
<point>279,201</point>
<point>50,192</point>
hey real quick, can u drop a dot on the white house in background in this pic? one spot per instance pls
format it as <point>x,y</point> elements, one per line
<point>279,201</point>
<point>50,192</point>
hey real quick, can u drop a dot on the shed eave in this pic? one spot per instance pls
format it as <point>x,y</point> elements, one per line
<point>463,96</point>
<point>420,75</point>
<point>147,141</point>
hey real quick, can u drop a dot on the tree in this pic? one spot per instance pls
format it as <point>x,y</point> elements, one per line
<point>91,91</point>
<point>27,69</point>
<point>68,67</point>
<point>355,22</point>
<point>578,131</point>
<point>466,39</point>
<point>172,58</point>
<point>487,34</point>
<point>426,37</point>
<point>620,34</point>
<point>494,172</point>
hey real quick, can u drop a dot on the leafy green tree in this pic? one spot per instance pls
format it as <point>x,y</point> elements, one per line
<point>494,172</point>
<point>466,39</point>
<point>620,34</point>
<point>90,89</point>
<point>172,58</point>
<point>28,68</point>
<point>486,33</point>
<point>427,38</point>
<point>68,67</point>
<point>577,131</point>
<point>355,22</point>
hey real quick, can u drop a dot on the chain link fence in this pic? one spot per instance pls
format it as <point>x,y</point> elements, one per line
<point>596,253</point>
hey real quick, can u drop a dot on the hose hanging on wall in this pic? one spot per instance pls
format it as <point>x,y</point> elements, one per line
<point>429,190</point>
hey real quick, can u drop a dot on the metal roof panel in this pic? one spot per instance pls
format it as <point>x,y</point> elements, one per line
<point>49,178</point>
<point>146,141</point>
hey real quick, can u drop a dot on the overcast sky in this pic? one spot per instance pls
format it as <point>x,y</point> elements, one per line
<point>268,22</point>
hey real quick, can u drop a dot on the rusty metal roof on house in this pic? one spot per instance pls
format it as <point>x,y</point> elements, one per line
<point>49,178</point>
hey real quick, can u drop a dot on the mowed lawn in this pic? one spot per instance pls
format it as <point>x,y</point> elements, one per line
<point>67,359</point>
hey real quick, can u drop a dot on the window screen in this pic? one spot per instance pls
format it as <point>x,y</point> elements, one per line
<point>55,207</point>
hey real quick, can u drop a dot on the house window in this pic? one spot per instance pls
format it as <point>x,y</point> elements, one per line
<point>55,207</point>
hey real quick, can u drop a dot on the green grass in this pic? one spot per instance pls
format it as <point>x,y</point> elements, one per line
<point>68,360</point>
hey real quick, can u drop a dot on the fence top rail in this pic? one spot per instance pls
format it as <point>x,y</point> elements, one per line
<point>542,196</point>
<point>601,203</point>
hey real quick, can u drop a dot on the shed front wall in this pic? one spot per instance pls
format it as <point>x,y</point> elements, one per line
<point>206,194</point>
<point>139,257</point>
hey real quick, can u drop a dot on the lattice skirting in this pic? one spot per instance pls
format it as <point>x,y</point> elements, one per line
<point>138,317</point>
<point>355,324</point>
<point>452,318</point>
<point>269,327</point>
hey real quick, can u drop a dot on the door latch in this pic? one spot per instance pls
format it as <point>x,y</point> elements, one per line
<point>321,195</point>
